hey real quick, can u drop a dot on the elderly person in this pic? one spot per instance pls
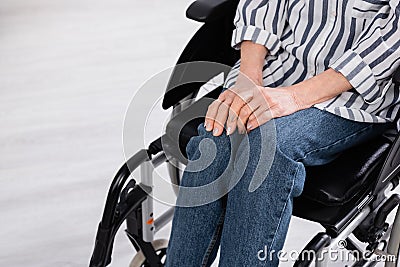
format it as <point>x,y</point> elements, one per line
<point>314,78</point>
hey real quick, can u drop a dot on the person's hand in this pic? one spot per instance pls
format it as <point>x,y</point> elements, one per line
<point>247,106</point>
<point>279,102</point>
<point>219,111</point>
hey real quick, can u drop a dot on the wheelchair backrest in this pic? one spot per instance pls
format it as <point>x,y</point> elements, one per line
<point>211,43</point>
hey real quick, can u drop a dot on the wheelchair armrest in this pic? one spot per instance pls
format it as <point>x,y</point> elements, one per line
<point>206,10</point>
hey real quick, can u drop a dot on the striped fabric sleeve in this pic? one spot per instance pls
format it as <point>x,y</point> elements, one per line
<point>260,21</point>
<point>375,55</point>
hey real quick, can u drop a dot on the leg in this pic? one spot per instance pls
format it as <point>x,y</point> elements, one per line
<point>197,225</point>
<point>257,219</point>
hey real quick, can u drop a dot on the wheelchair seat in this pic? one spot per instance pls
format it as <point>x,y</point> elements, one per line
<point>337,182</point>
<point>330,190</point>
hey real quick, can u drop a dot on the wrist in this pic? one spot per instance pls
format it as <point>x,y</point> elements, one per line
<point>252,60</point>
<point>302,96</point>
<point>254,74</point>
<point>320,88</point>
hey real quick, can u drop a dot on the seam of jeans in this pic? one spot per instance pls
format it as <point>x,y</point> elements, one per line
<point>334,143</point>
<point>284,207</point>
<point>214,238</point>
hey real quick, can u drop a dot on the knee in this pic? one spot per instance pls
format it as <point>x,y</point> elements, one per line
<point>207,144</point>
<point>209,158</point>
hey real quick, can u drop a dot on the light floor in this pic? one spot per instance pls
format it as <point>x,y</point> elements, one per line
<point>68,70</point>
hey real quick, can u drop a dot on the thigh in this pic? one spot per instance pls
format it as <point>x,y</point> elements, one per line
<point>315,137</point>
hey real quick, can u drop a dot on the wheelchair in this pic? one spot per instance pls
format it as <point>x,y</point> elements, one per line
<point>351,197</point>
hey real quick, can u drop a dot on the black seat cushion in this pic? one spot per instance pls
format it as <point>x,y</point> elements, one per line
<point>333,184</point>
<point>354,170</point>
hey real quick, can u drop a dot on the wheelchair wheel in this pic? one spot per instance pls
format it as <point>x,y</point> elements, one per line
<point>160,246</point>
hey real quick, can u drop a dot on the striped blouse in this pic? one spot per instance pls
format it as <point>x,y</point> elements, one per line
<point>358,38</point>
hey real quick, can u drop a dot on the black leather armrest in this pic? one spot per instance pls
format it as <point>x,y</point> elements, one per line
<point>206,10</point>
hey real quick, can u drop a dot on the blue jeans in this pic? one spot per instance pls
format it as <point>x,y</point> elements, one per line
<point>251,218</point>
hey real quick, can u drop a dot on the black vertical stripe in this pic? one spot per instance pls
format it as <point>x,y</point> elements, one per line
<point>339,36</point>
<point>352,34</point>
<point>254,11</point>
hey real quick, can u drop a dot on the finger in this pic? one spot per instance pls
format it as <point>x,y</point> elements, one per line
<point>258,112</point>
<point>244,115</point>
<point>226,96</point>
<point>210,115</point>
<point>258,118</point>
<point>242,97</point>
<point>250,108</point>
<point>245,95</point>
<point>220,118</point>
<point>233,114</point>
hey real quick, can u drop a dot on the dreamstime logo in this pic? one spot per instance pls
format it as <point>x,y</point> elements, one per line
<point>342,244</point>
<point>341,254</point>
<point>145,121</point>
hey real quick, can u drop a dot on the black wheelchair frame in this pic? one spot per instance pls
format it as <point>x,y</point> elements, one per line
<point>364,214</point>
